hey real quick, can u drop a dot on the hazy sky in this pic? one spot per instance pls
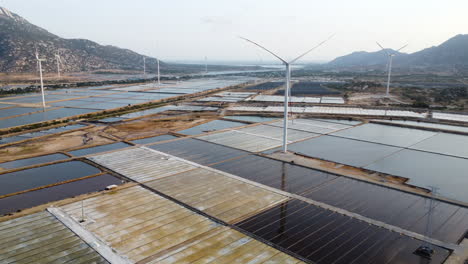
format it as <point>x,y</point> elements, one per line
<point>191,30</point>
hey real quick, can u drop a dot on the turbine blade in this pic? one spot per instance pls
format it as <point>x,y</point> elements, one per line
<point>383,48</point>
<point>260,46</point>
<point>402,48</point>
<point>305,53</point>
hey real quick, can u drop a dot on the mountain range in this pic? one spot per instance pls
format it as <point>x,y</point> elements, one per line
<point>452,54</point>
<point>19,39</point>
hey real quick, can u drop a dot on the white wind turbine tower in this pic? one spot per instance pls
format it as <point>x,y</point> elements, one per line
<point>39,63</point>
<point>58,61</point>
<point>157,64</point>
<point>159,79</point>
<point>390,61</point>
<point>288,80</point>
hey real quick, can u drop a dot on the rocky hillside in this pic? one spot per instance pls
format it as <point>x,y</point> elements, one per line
<point>363,58</point>
<point>452,54</point>
<point>19,39</point>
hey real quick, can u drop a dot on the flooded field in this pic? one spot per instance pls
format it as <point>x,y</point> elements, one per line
<point>309,88</point>
<point>277,174</point>
<point>323,236</point>
<point>332,206</point>
<point>427,125</point>
<point>55,193</point>
<point>300,227</point>
<point>199,151</point>
<point>32,161</point>
<point>79,101</point>
<point>264,86</point>
<point>256,119</point>
<point>43,116</point>
<point>36,177</point>
<point>396,150</point>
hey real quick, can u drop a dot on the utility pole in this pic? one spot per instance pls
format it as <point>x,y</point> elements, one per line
<point>82,212</point>
<point>425,250</point>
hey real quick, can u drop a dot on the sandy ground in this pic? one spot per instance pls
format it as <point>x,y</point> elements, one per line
<point>148,127</point>
<point>53,143</point>
<point>32,78</point>
<point>139,128</point>
<point>373,99</point>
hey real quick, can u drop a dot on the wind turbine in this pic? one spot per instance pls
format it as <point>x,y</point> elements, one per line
<point>59,61</point>
<point>159,79</point>
<point>390,61</point>
<point>288,82</point>
<point>39,63</point>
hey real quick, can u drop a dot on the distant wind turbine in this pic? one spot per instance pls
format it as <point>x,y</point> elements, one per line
<point>159,79</point>
<point>58,61</point>
<point>390,61</point>
<point>157,64</point>
<point>39,63</point>
<point>288,82</point>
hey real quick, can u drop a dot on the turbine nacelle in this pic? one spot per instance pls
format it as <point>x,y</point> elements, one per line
<point>39,59</point>
<point>391,53</point>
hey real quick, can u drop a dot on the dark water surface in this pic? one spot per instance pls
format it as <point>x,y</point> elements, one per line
<point>33,161</point>
<point>55,193</point>
<point>323,236</point>
<point>199,151</point>
<point>40,176</point>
